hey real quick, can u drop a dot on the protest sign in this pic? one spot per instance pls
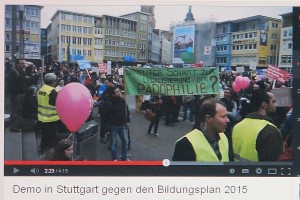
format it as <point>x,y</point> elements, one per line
<point>170,82</point>
<point>283,96</point>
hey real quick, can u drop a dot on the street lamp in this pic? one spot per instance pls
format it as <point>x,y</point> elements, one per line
<point>21,13</point>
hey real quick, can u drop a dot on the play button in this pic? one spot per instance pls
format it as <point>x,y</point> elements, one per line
<point>15,170</point>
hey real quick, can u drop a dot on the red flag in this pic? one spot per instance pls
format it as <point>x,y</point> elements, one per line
<point>276,73</point>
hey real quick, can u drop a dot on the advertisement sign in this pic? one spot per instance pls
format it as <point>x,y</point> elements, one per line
<point>170,82</point>
<point>183,44</point>
<point>263,38</point>
<point>31,50</point>
<point>283,96</point>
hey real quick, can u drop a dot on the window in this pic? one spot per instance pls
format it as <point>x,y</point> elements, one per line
<point>254,46</point>
<point>224,30</point>
<point>286,59</point>
<point>7,22</point>
<point>233,37</point>
<point>274,36</point>
<point>7,36</point>
<point>290,46</point>
<point>246,35</point>
<point>33,12</point>
<point>233,48</point>
<point>7,48</point>
<point>273,47</point>
<point>285,33</point>
<point>274,25</point>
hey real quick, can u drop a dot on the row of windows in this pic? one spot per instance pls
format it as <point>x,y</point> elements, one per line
<point>221,59</point>
<point>76,40</point>
<point>112,32</point>
<point>31,11</point>
<point>77,18</point>
<point>286,59</point>
<point>287,33</point>
<point>76,29</point>
<point>244,35</point>
<point>244,47</point>
<point>128,34</point>
<point>78,52</point>
<point>26,24</point>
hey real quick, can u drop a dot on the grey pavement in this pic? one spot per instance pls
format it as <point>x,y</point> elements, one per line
<point>24,145</point>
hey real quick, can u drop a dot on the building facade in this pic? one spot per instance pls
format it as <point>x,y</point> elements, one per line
<point>286,43</point>
<point>255,40</point>
<point>23,32</point>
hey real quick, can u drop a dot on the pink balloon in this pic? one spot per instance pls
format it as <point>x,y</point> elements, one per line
<point>235,87</point>
<point>239,80</point>
<point>245,83</point>
<point>73,104</point>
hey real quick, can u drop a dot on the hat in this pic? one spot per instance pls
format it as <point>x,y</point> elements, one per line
<point>50,78</point>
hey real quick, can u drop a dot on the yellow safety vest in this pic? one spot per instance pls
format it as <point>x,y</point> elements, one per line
<point>46,112</point>
<point>203,150</point>
<point>244,136</point>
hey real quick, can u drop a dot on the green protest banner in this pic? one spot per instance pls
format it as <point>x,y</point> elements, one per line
<point>171,81</point>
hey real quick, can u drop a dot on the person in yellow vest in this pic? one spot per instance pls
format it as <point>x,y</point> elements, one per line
<point>206,143</point>
<point>47,114</point>
<point>256,138</point>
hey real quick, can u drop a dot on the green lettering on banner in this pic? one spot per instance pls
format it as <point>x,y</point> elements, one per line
<point>170,82</point>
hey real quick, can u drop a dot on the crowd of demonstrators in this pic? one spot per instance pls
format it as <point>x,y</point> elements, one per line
<point>25,103</point>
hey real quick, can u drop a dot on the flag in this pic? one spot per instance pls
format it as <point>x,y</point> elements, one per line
<point>276,73</point>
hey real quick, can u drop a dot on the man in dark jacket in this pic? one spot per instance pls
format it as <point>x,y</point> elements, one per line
<point>118,118</point>
<point>16,89</point>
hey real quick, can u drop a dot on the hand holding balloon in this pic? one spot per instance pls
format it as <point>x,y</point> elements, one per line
<point>73,104</point>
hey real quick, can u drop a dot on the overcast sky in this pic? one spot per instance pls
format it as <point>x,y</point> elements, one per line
<point>167,14</point>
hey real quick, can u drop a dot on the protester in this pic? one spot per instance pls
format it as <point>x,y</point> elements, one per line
<point>231,107</point>
<point>63,150</point>
<point>155,103</point>
<point>256,138</point>
<point>207,142</point>
<point>118,120</point>
<point>188,104</point>
<point>16,90</point>
<point>47,114</point>
<point>61,84</point>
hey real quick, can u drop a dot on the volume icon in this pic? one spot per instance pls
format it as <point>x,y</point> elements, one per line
<point>35,170</point>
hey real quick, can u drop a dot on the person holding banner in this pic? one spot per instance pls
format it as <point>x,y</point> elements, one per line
<point>207,142</point>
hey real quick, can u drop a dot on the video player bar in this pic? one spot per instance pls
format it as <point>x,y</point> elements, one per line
<point>145,168</point>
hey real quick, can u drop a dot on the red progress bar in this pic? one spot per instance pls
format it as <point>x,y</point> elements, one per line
<point>133,163</point>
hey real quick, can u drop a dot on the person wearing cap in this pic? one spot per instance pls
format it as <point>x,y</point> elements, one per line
<point>47,114</point>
